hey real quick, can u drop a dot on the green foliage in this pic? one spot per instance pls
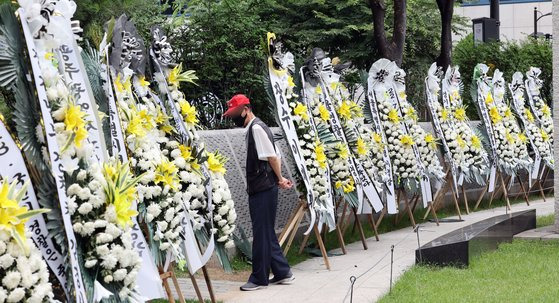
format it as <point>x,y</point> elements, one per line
<point>507,56</point>
<point>499,276</point>
<point>221,41</point>
<point>94,13</point>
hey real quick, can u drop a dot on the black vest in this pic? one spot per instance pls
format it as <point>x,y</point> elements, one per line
<point>260,175</point>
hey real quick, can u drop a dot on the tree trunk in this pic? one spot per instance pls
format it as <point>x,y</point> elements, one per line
<point>556,110</point>
<point>392,49</point>
<point>446,8</point>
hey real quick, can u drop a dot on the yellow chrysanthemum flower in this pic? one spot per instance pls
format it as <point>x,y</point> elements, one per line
<point>460,114</point>
<point>186,152</point>
<point>216,162</point>
<point>166,174</point>
<point>461,143</point>
<point>407,140</point>
<point>49,56</point>
<point>509,137</point>
<point>324,114</point>
<point>343,152</point>
<point>476,142</point>
<point>546,111</point>
<point>143,82</point>
<point>320,154</point>
<point>411,113</point>
<point>301,111</point>
<point>402,95</point>
<point>122,87</point>
<point>377,138</point>
<point>393,116</point>
<point>508,112</point>
<point>318,90</point>
<point>13,216</point>
<point>545,136</point>
<point>455,95</point>
<point>362,148</point>
<point>136,126</point>
<point>528,114</point>
<point>431,141</point>
<point>522,138</point>
<point>344,110</point>
<point>290,82</point>
<point>120,191</point>
<point>445,113</point>
<point>489,98</point>
<point>494,114</point>
<point>188,112</point>
<point>74,121</point>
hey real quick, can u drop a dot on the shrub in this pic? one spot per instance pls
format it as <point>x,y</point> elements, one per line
<point>507,56</point>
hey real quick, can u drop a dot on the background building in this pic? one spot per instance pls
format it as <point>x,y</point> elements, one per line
<point>516,16</point>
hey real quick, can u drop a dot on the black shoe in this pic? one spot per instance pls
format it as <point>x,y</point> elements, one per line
<point>249,286</point>
<point>286,280</point>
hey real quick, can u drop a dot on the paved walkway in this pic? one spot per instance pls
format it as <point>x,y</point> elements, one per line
<point>372,267</point>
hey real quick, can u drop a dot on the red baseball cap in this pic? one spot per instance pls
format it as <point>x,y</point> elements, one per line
<point>236,102</point>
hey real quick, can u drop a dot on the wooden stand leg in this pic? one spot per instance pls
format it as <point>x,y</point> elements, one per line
<point>465,197</point>
<point>360,229</point>
<point>167,288</point>
<point>373,225</point>
<point>341,241</point>
<point>408,210</point>
<point>456,203</point>
<point>304,243</point>
<point>496,189</point>
<point>505,192</point>
<point>209,283</point>
<point>322,248</point>
<point>297,220</point>
<point>178,289</point>
<point>381,216</point>
<point>165,276</point>
<point>196,288</point>
<point>524,192</point>
<point>291,224</point>
<point>433,212</point>
<point>482,195</point>
<point>438,196</point>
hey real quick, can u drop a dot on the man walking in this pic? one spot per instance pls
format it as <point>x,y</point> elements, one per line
<point>263,173</point>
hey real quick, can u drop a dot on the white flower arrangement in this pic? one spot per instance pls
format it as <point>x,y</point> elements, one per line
<point>224,214</point>
<point>539,138</point>
<point>24,276</point>
<point>351,117</point>
<point>510,142</point>
<point>314,155</point>
<point>425,142</point>
<point>464,145</point>
<point>400,144</point>
<point>147,133</point>
<point>338,153</point>
<point>101,209</point>
<point>539,105</point>
<point>104,241</point>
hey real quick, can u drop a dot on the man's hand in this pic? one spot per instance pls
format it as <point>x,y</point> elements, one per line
<point>284,183</point>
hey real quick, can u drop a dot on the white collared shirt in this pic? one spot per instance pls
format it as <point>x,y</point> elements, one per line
<point>264,147</point>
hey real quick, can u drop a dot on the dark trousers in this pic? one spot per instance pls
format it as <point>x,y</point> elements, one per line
<point>266,252</point>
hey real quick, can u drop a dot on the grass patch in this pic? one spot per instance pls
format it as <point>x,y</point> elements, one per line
<point>521,271</point>
<point>546,220</point>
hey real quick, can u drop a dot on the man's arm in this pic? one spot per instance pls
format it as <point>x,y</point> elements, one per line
<point>275,163</point>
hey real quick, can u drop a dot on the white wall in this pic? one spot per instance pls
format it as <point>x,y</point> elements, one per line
<point>517,20</point>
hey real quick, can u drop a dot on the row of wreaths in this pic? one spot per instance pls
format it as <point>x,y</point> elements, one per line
<point>364,142</point>
<point>105,144</point>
